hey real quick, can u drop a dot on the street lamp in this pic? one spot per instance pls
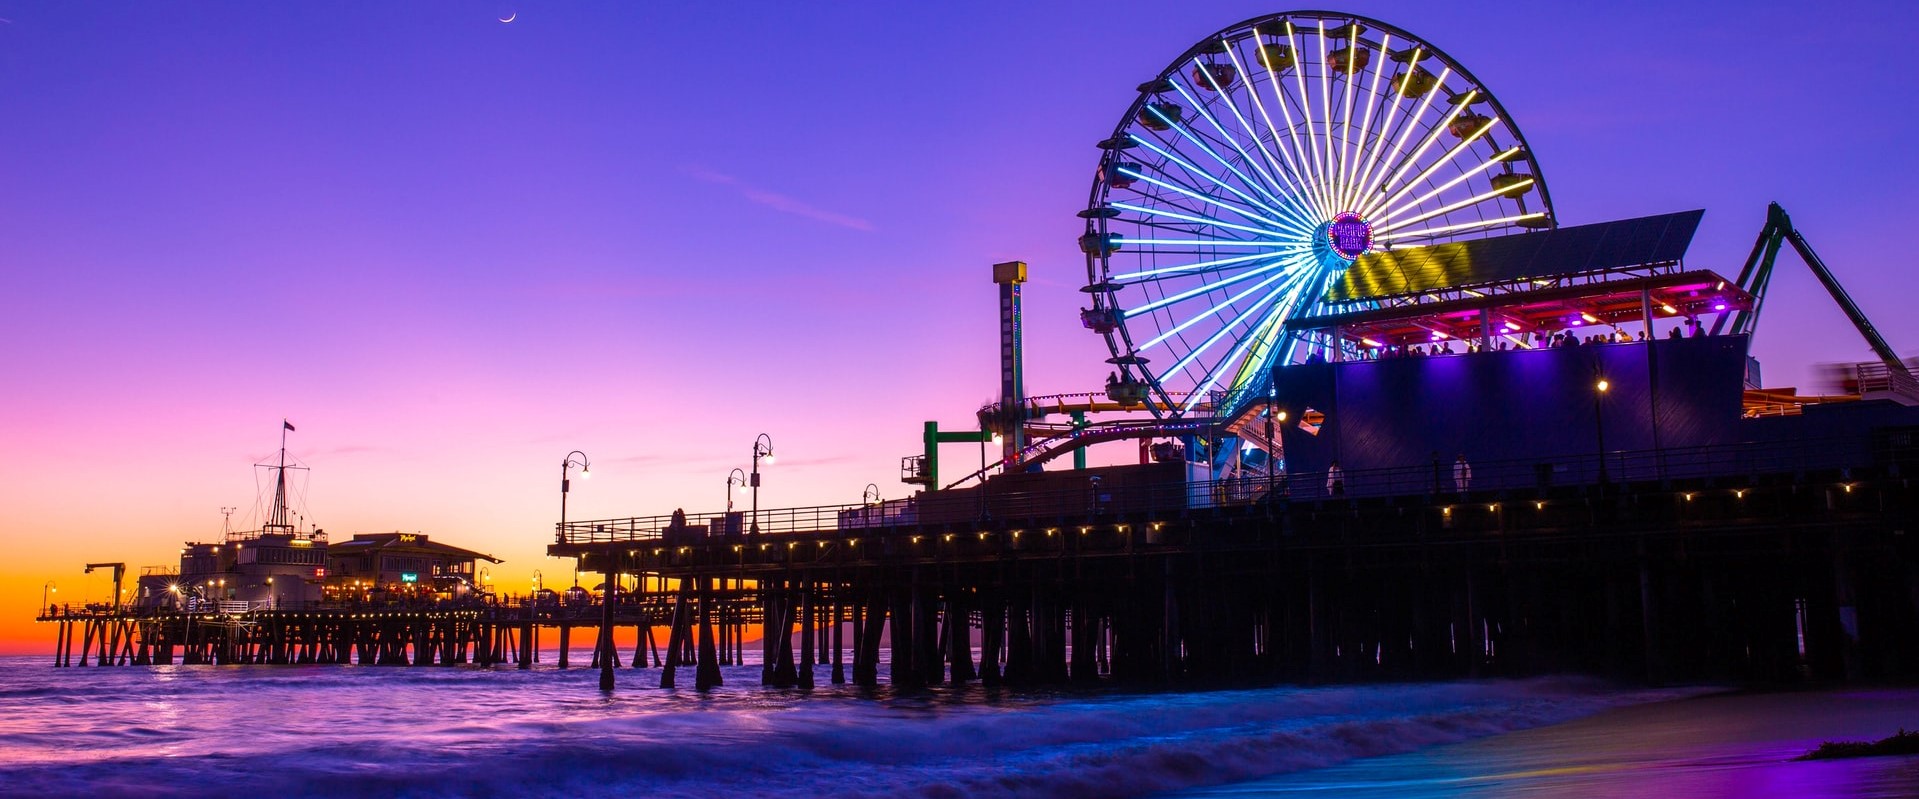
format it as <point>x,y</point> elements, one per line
<point>566,465</point>
<point>735,481</point>
<point>1599,423</point>
<point>762,448</point>
<point>49,588</point>
<point>871,496</point>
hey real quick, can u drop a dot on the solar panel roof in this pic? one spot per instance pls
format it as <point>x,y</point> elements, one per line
<point>1546,253</point>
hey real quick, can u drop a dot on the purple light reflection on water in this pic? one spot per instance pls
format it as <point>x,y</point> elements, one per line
<point>1713,746</point>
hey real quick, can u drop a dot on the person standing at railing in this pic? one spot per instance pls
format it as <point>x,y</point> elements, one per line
<point>1335,480</point>
<point>1462,473</point>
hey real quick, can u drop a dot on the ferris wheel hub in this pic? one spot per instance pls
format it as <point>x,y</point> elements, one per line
<point>1348,235</point>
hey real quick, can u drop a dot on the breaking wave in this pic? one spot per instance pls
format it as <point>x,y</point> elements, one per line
<point>348,731</point>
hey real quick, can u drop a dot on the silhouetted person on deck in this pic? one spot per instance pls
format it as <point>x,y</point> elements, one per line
<point>1462,473</point>
<point>1335,480</point>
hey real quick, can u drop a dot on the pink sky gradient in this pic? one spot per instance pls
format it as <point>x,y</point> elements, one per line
<point>451,250</point>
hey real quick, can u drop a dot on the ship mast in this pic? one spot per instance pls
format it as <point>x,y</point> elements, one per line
<point>277,519</point>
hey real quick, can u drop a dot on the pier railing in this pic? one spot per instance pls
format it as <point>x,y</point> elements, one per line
<point>1839,459</point>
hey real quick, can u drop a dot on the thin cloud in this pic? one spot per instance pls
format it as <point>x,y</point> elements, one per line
<point>777,201</point>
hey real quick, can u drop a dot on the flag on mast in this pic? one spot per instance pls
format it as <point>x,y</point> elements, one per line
<point>287,424</point>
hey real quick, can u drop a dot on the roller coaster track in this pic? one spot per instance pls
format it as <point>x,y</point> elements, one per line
<point>1053,439</point>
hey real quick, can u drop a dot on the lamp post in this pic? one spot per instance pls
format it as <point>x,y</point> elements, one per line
<point>735,481</point>
<point>1599,423</point>
<point>762,448</point>
<point>566,465</point>
<point>49,588</point>
<point>871,503</point>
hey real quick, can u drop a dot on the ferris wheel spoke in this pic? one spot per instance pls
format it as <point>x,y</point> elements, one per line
<point>1495,160</point>
<point>1366,124</point>
<point>1260,356</point>
<point>1465,145</point>
<point>1325,131</point>
<point>1214,201</point>
<point>1377,182</point>
<point>1346,119</point>
<point>1290,209</point>
<point>1192,136</point>
<point>1476,199</point>
<point>1306,114</point>
<point>1306,151</point>
<point>1435,231</point>
<point>1201,267</point>
<point>1225,97</point>
<point>1293,208</point>
<point>1272,184</point>
<point>1431,136</point>
<point>1272,319</point>
<point>1298,153</point>
<point>1288,264</point>
<point>1221,334</point>
<point>1204,220</point>
<point>1298,179</point>
<point>1211,312</point>
<point>1387,129</point>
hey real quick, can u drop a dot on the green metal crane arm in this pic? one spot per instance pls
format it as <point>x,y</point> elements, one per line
<point>1839,295</point>
<point>1757,273</point>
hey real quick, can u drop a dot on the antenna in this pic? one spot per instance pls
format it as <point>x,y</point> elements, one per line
<point>226,522</point>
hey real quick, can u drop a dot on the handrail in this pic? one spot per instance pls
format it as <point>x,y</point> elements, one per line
<point>1741,459</point>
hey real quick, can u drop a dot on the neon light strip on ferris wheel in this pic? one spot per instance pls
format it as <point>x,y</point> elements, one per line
<point>1181,130</point>
<point>1297,212</point>
<point>1193,268</point>
<point>1251,134</point>
<point>1301,187</point>
<point>1199,109</point>
<point>1326,103</point>
<point>1431,136</point>
<point>1346,125</point>
<point>1488,164</point>
<point>1428,171</point>
<point>1320,195</point>
<point>1226,329</point>
<point>1181,328</point>
<point>1433,231</point>
<point>1216,201</point>
<point>1209,287</point>
<point>1196,219</point>
<point>1212,376</point>
<point>1392,113</point>
<point>1366,124</point>
<point>1474,200</point>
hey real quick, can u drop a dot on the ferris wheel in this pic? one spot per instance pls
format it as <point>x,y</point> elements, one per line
<point>1259,165</point>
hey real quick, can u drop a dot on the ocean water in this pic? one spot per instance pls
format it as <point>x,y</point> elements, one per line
<point>287,731</point>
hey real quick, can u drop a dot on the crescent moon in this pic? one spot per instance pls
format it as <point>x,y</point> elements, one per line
<point>510,17</point>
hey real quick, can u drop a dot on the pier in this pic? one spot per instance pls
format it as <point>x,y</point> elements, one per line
<point>1755,562</point>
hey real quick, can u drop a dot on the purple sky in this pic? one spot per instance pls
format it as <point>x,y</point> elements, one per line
<point>451,249</point>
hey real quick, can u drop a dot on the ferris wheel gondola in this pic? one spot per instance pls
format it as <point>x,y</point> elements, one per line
<point>1258,166</point>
